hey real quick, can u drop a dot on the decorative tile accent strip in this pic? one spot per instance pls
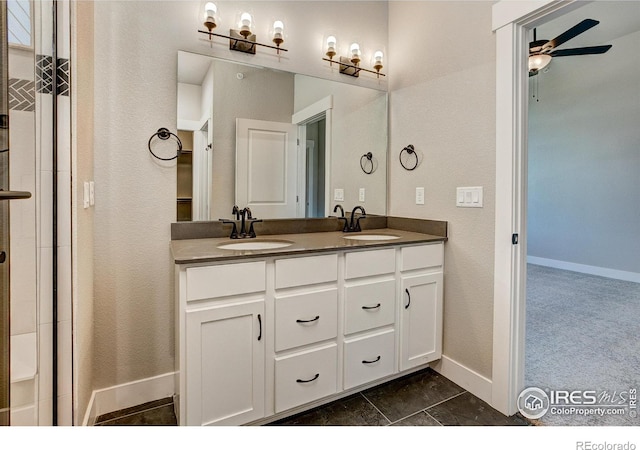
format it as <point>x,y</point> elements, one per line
<point>63,77</point>
<point>44,74</point>
<point>21,95</point>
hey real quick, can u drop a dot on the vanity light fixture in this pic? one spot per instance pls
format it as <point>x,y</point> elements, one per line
<point>351,65</point>
<point>241,39</point>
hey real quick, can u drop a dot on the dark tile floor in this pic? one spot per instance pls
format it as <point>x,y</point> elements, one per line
<point>424,398</point>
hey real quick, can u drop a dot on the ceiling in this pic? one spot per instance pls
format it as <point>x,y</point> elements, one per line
<point>617,19</point>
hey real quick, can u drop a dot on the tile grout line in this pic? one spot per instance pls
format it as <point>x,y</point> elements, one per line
<point>424,410</point>
<point>371,403</point>
<point>132,414</point>
<point>445,400</point>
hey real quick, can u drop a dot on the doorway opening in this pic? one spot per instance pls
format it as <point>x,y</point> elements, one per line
<point>314,168</point>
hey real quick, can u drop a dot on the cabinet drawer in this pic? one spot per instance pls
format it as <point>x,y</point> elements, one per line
<point>306,318</point>
<point>225,279</point>
<point>308,270</point>
<point>306,376</point>
<point>369,358</point>
<point>369,305</point>
<point>371,262</point>
<point>422,256</point>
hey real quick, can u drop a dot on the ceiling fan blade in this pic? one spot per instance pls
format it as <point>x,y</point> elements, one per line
<point>581,51</point>
<point>572,32</point>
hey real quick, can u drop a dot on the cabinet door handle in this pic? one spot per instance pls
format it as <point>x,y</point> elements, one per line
<point>371,307</point>
<point>307,321</point>
<point>308,381</point>
<point>409,295</point>
<point>260,325</point>
<point>371,362</point>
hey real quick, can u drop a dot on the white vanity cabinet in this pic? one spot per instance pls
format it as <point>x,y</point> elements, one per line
<point>369,316</point>
<point>421,305</point>
<point>221,343</point>
<point>258,339</point>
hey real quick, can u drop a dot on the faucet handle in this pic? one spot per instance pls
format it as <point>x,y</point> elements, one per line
<point>234,230</point>
<point>252,232</point>
<point>357,227</point>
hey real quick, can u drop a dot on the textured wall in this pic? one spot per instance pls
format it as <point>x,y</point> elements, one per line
<point>135,94</point>
<point>442,100</point>
<point>584,163</point>
<point>83,104</point>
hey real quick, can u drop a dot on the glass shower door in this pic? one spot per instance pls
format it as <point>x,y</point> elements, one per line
<point>16,104</point>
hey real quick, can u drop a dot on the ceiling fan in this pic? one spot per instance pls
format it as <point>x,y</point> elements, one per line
<point>541,51</point>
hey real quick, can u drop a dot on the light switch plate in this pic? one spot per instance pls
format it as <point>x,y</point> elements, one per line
<point>469,197</point>
<point>419,196</point>
<point>85,196</point>
<point>338,195</point>
<point>361,195</point>
<point>92,193</point>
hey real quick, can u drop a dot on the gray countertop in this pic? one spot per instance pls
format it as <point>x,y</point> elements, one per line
<point>189,251</point>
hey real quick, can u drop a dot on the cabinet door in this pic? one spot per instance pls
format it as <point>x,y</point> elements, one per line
<point>421,320</point>
<point>225,364</point>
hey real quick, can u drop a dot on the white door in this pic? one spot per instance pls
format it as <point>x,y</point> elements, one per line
<point>266,168</point>
<point>421,320</point>
<point>225,364</point>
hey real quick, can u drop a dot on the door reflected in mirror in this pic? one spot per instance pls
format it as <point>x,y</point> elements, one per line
<point>278,142</point>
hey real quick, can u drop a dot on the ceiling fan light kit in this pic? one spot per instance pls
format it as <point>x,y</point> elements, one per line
<point>542,51</point>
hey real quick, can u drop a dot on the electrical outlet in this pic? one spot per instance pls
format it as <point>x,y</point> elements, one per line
<point>361,195</point>
<point>338,195</point>
<point>419,196</point>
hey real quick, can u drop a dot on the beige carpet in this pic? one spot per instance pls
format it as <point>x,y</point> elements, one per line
<point>582,333</point>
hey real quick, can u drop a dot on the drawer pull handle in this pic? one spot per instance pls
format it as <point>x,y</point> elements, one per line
<point>307,321</point>
<point>409,295</point>
<point>308,381</point>
<point>371,362</point>
<point>371,307</point>
<point>260,325</point>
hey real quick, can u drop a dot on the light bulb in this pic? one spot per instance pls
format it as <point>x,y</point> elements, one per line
<point>539,62</point>
<point>331,46</point>
<point>377,60</point>
<point>278,30</point>
<point>245,24</point>
<point>355,53</point>
<point>210,11</point>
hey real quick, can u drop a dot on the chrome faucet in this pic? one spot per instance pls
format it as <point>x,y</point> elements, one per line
<point>363,215</point>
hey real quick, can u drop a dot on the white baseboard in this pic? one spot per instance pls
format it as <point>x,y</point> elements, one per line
<point>127,395</point>
<point>464,377</point>
<point>583,268</point>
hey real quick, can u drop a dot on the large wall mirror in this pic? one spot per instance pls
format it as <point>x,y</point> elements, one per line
<point>284,144</point>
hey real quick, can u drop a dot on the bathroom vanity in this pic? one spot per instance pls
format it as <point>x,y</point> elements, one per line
<point>263,333</point>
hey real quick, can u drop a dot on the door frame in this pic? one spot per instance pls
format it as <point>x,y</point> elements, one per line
<point>321,108</point>
<point>511,22</point>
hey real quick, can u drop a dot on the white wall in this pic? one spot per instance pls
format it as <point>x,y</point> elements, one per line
<point>584,163</point>
<point>135,94</point>
<point>442,100</point>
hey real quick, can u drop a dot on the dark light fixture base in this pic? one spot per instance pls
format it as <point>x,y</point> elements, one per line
<point>239,43</point>
<point>348,68</point>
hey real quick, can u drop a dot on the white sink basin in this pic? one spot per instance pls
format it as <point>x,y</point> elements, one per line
<point>255,244</point>
<point>371,237</point>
